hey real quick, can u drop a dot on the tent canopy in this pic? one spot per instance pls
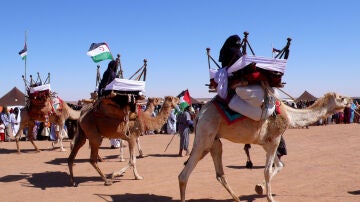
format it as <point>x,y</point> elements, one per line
<point>306,96</point>
<point>13,98</point>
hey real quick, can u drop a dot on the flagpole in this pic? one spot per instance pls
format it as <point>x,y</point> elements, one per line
<point>25,67</point>
<point>26,56</point>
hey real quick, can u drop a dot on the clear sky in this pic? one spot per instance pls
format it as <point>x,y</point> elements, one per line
<point>173,37</point>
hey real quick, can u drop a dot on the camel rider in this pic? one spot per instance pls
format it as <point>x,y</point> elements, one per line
<point>250,98</point>
<point>108,76</point>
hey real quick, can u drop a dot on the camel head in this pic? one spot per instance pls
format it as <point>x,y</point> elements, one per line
<point>155,101</point>
<point>334,102</point>
<point>172,101</point>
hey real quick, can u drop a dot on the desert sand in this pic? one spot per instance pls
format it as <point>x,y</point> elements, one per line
<point>322,164</point>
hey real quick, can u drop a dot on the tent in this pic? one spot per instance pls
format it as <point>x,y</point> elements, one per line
<point>306,96</point>
<point>13,98</point>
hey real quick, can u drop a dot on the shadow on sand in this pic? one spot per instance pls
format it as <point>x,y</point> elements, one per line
<point>243,167</point>
<point>128,197</point>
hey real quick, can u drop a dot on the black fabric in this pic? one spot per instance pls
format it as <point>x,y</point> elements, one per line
<point>230,51</point>
<point>108,76</point>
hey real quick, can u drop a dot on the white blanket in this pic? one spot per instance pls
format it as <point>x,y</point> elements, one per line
<point>126,85</point>
<point>40,88</point>
<point>249,100</point>
<point>271,64</point>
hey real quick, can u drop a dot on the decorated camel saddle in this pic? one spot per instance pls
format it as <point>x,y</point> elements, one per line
<point>124,92</point>
<point>41,99</point>
<point>246,85</point>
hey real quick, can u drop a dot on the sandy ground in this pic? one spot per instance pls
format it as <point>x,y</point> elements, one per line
<point>322,165</point>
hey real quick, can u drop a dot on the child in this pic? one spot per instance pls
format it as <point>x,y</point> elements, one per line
<point>2,131</point>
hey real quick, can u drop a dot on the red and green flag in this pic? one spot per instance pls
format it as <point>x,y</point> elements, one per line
<point>185,99</point>
<point>99,52</point>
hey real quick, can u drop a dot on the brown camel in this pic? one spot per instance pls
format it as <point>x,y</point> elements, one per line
<point>211,126</point>
<point>41,109</point>
<point>150,107</point>
<point>111,120</point>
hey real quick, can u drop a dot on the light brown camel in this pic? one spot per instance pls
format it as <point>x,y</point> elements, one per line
<point>211,126</point>
<point>150,107</point>
<point>110,120</point>
<point>44,111</point>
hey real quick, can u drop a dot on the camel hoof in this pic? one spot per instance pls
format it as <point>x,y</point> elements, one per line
<point>140,156</point>
<point>139,178</point>
<point>249,165</point>
<point>259,189</point>
<point>74,184</point>
<point>108,183</point>
<point>122,159</point>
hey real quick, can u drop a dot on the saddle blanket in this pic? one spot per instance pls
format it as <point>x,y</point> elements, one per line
<point>229,115</point>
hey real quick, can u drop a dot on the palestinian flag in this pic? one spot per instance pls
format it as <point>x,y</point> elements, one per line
<point>99,52</point>
<point>23,53</point>
<point>185,99</point>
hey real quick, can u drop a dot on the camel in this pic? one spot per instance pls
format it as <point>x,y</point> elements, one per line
<point>111,120</point>
<point>150,107</point>
<point>43,111</point>
<point>211,126</point>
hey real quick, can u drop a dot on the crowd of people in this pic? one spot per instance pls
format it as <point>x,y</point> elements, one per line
<point>9,123</point>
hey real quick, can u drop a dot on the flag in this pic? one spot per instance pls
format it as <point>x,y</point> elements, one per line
<point>99,52</point>
<point>23,53</point>
<point>185,99</point>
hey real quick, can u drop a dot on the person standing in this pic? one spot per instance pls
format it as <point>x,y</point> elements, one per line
<point>13,122</point>
<point>2,131</point>
<point>171,123</point>
<point>184,123</point>
<point>5,117</point>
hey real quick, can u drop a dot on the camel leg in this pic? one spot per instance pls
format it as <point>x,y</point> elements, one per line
<point>269,173</point>
<point>60,137</point>
<point>197,153</point>
<point>141,155</point>
<point>78,141</point>
<point>132,162</point>
<point>216,153</point>
<point>249,163</point>
<point>94,159</point>
<point>100,159</point>
<point>18,135</point>
<point>122,159</point>
<point>31,138</point>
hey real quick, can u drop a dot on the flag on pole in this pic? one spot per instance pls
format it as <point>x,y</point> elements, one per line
<point>185,99</point>
<point>99,52</point>
<point>23,53</point>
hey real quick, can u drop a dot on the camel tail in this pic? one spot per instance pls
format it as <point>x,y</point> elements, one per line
<point>78,134</point>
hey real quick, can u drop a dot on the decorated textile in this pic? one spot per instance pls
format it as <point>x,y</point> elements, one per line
<point>228,114</point>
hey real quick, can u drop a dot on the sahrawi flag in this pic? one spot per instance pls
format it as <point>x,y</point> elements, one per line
<point>23,53</point>
<point>99,52</point>
<point>185,99</point>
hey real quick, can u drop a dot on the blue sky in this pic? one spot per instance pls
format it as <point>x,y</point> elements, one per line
<point>173,36</point>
